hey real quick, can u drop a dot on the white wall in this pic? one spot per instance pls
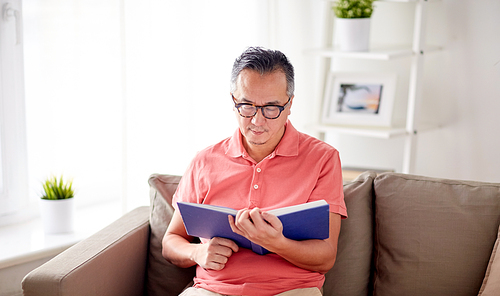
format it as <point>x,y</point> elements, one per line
<point>468,94</point>
<point>118,133</point>
<point>12,276</point>
<point>178,64</point>
<point>461,93</point>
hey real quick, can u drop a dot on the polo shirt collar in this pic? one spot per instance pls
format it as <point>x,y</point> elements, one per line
<point>288,146</point>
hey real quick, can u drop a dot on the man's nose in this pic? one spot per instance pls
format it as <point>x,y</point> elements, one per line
<point>259,118</point>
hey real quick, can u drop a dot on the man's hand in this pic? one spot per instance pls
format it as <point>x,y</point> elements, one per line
<point>214,254</point>
<point>259,227</point>
<point>266,230</point>
<point>178,249</point>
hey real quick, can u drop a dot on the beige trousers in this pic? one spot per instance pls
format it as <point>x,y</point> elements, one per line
<point>297,292</point>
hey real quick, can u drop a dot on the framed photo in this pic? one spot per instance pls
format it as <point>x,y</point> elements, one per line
<point>361,99</point>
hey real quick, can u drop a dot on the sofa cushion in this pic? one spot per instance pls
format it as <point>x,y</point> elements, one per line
<point>163,278</point>
<point>433,236</point>
<point>351,273</point>
<point>491,282</point>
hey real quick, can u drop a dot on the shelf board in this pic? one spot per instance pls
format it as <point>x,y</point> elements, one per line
<point>374,132</point>
<point>384,53</point>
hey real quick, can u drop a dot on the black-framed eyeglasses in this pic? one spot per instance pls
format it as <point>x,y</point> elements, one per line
<point>248,110</point>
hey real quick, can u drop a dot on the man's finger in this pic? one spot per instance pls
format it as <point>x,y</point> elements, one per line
<point>257,219</point>
<point>274,221</point>
<point>224,242</point>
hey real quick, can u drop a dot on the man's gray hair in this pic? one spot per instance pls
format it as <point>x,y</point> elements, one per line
<point>264,61</point>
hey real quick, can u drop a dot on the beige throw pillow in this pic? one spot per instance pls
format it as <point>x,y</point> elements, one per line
<point>163,278</point>
<point>491,282</point>
<point>351,273</point>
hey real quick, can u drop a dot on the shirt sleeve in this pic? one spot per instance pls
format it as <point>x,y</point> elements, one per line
<point>188,190</point>
<point>329,185</point>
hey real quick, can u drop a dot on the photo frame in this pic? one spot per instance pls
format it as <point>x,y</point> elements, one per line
<point>359,99</point>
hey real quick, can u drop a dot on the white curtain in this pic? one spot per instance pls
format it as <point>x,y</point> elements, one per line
<point>13,155</point>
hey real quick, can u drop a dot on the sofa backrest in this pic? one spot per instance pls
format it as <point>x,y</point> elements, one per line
<point>405,235</point>
<point>349,276</point>
<point>433,236</point>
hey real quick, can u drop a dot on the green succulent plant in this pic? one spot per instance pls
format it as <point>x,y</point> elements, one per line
<point>353,8</point>
<point>54,189</point>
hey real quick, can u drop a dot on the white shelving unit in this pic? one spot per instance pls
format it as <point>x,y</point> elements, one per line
<point>416,52</point>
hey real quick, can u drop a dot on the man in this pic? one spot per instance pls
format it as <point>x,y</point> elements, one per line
<point>266,164</point>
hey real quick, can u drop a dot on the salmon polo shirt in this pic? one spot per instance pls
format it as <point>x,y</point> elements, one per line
<point>301,169</point>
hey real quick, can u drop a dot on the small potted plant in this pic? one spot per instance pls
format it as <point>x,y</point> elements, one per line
<point>57,205</point>
<point>353,23</point>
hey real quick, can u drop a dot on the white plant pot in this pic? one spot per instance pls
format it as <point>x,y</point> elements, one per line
<point>58,216</point>
<point>352,34</point>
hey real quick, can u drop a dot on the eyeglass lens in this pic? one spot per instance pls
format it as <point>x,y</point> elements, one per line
<point>269,112</point>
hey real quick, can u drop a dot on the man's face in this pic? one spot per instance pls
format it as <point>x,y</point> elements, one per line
<point>268,89</point>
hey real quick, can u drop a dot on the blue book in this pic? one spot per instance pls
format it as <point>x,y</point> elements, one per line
<point>300,222</point>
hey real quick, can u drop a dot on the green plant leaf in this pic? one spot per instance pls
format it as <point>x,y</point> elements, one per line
<point>55,188</point>
<point>353,8</point>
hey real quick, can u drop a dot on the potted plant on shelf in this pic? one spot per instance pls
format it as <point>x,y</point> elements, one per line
<point>57,205</point>
<point>353,24</point>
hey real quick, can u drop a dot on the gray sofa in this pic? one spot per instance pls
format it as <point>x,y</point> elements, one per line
<point>405,235</point>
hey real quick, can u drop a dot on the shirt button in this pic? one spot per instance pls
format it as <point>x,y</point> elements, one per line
<point>259,170</point>
<point>256,186</point>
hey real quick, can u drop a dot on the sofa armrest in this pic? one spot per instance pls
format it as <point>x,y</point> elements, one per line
<point>110,262</point>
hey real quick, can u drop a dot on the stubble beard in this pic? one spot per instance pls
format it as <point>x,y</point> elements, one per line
<point>251,131</point>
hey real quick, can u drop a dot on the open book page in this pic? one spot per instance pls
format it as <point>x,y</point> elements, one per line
<point>286,210</point>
